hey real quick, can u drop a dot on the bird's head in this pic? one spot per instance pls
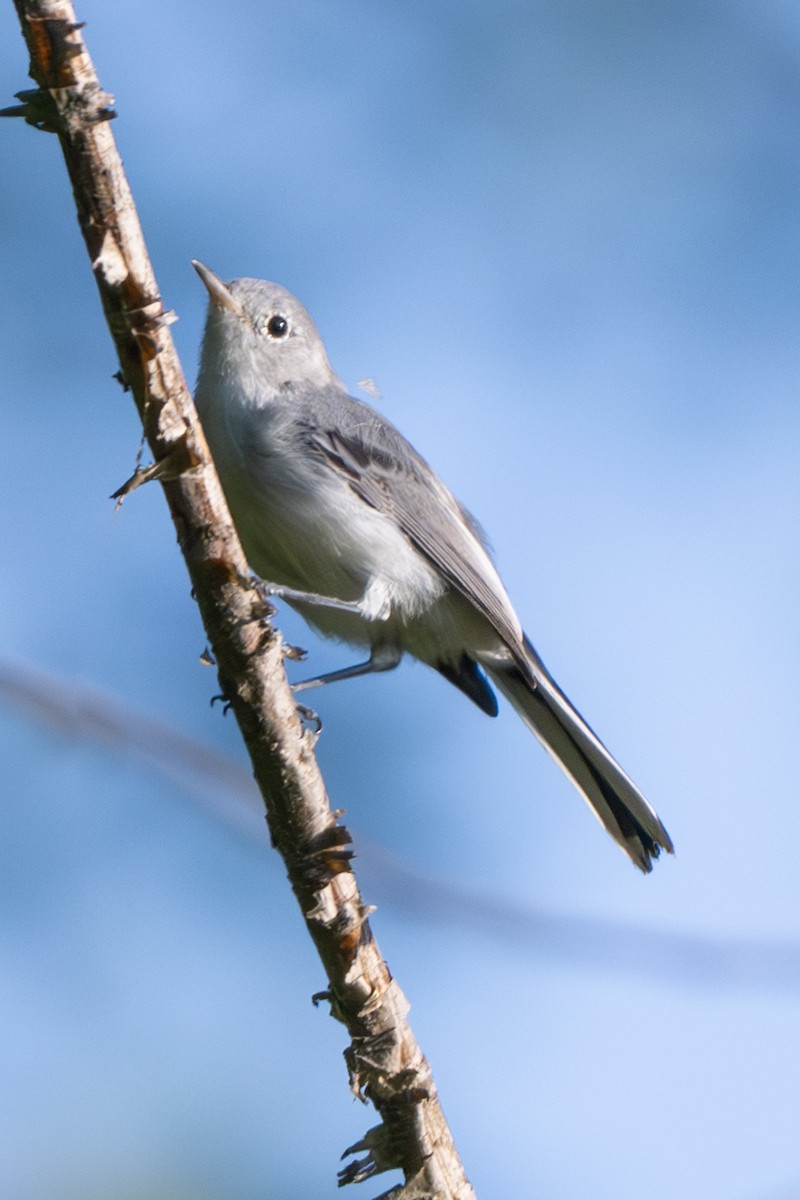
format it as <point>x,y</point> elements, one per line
<point>260,330</point>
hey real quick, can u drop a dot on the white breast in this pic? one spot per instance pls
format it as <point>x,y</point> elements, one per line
<point>302,525</point>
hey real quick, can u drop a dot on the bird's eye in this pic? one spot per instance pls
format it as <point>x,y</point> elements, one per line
<point>277,326</point>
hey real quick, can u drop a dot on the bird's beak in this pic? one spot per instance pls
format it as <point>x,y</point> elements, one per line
<point>219,292</point>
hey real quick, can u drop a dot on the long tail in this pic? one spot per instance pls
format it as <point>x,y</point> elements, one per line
<point>614,798</point>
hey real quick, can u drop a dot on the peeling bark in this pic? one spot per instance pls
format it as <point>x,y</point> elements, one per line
<point>384,1061</point>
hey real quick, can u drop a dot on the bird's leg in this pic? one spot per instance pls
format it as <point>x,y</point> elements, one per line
<point>383,658</point>
<point>291,594</point>
<point>313,598</point>
<point>374,605</point>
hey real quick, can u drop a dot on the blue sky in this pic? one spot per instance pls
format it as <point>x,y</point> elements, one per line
<point>563,240</point>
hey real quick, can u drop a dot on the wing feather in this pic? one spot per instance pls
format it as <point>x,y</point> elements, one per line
<point>386,472</point>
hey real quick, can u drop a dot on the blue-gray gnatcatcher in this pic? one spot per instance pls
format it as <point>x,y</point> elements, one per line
<point>351,526</point>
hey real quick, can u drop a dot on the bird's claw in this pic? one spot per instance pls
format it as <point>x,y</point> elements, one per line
<point>308,715</point>
<point>265,591</point>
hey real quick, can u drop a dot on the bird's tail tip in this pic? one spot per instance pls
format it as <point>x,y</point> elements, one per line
<point>613,797</point>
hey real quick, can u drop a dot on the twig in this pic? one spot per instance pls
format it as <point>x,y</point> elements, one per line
<point>385,1063</point>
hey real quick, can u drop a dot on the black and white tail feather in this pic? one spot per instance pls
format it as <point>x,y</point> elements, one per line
<point>611,794</point>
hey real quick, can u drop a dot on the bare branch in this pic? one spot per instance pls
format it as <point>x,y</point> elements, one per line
<point>385,1062</point>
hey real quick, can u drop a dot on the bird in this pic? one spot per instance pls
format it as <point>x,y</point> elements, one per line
<point>344,520</point>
